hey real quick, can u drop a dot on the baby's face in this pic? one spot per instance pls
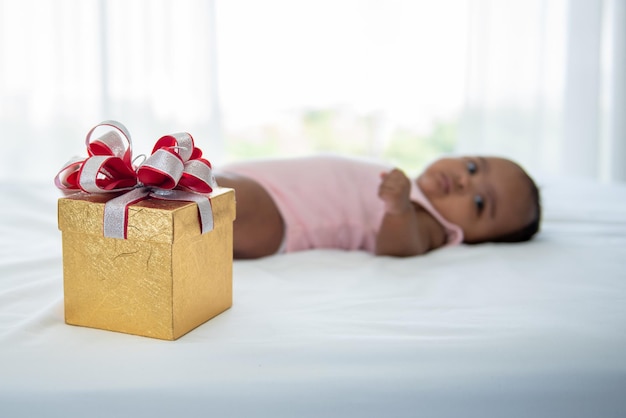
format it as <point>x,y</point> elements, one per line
<point>487,197</point>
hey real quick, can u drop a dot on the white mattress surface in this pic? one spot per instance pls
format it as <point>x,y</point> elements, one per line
<point>494,330</point>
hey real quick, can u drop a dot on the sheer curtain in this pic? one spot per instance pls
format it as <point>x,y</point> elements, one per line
<point>68,64</point>
<point>544,79</point>
<point>546,85</point>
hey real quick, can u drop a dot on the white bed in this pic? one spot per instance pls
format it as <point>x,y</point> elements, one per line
<point>523,330</point>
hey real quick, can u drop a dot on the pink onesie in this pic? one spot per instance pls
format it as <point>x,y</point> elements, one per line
<point>329,201</point>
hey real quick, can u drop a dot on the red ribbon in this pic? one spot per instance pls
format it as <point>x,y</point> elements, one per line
<point>175,171</point>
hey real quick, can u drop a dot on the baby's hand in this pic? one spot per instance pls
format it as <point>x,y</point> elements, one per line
<point>394,190</point>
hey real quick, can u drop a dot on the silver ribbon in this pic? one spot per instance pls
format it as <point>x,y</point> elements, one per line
<point>116,210</point>
<point>205,210</point>
<point>112,139</point>
<point>166,163</point>
<point>201,171</point>
<point>185,144</point>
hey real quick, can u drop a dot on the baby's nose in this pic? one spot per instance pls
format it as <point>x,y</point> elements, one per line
<point>462,183</point>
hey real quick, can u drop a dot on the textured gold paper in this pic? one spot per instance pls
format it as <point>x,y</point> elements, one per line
<point>164,280</point>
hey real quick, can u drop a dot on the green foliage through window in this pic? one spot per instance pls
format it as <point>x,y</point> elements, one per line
<point>336,130</point>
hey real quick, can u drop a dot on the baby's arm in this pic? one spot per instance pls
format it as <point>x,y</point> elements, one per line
<point>404,230</point>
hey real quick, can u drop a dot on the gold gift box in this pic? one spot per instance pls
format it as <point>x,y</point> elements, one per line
<point>164,280</point>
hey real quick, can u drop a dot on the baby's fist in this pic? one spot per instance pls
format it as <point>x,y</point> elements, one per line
<point>394,190</point>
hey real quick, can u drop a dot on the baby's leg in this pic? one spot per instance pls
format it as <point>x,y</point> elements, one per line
<point>258,230</point>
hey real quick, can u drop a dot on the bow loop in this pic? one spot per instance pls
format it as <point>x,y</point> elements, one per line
<point>196,154</point>
<point>102,173</point>
<point>67,178</point>
<point>176,163</point>
<point>180,143</point>
<point>163,169</point>
<point>198,176</point>
<point>111,143</point>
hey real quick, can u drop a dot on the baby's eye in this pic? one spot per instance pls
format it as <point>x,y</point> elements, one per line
<point>479,202</point>
<point>471,167</point>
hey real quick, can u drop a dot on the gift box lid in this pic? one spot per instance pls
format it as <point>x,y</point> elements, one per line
<point>148,220</point>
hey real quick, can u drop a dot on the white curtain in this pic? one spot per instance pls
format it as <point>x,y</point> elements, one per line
<point>544,80</point>
<point>66,65</point>
<point>546,85</point>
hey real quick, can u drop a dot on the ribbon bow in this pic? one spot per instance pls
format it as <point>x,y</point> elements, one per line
<point>174,171</point>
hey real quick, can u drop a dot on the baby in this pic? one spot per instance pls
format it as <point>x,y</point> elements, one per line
<point>286,205</point>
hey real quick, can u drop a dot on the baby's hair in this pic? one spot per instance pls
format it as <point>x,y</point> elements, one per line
<point>528,231</point>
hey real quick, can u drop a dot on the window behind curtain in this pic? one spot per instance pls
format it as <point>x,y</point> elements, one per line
<point>378,78</point>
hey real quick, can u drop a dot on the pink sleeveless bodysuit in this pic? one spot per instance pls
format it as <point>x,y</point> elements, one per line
<point>329,201</point>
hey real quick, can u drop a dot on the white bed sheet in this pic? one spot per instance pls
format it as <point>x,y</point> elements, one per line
<point>494,330</point>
